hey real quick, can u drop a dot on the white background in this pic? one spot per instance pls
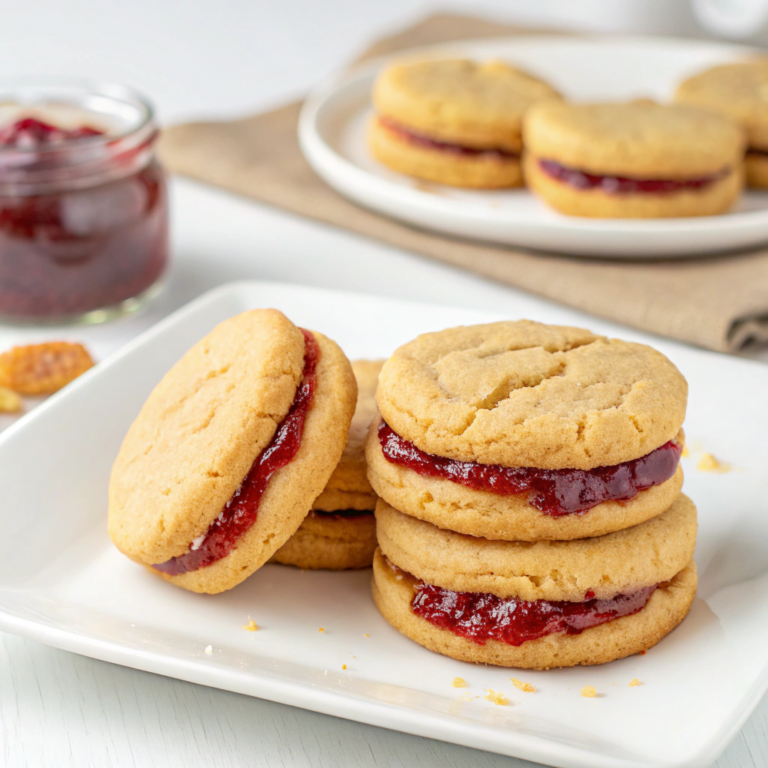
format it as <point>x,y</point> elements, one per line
<point>217,59</point>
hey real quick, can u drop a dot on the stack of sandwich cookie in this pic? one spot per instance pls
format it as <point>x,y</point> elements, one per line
<point>529,439</point>
<point>227,455</point>
<point>340,531</point>
<point>455,122</point>
<point>634,160</point>
<point>737,91</point>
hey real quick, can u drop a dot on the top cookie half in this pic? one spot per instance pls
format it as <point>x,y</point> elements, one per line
<point>637,139</point>
<point>477,105</point>
<point>738,91</point>
<point>525,394</point>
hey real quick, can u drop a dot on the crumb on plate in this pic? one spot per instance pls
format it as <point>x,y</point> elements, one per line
<point>589,692</point>
<point>10,402</point>
<point>525,687</point>
<point>634,682</point>
<point>497,698</point>
<point>709,463</point>
<point>459,682</point>
<point>251,626</point>
<point>208,650</point>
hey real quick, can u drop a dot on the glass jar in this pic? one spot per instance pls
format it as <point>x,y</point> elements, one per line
<point>83,202</point>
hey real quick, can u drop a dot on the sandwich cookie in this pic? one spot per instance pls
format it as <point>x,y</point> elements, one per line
<point>340,531</point>
<point>454,122</point>
<point>633,160</point>
<point>740,92</point>
<point>536,605</point>
<point>522,431</point>
<point>231,448</point>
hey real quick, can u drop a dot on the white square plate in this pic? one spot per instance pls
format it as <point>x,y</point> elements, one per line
<point>62,582</point>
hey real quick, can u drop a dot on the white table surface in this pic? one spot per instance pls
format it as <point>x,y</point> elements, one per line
<point>59,709</point>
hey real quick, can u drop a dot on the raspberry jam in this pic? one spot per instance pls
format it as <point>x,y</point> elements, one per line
<point>554,492</point>
<point>622,185</point>
<point>481,617</point>
<point>240,512</point>
<point>83,209</point>
<point>419,140</point>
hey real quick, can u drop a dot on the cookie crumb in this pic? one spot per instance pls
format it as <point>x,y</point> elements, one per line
<point>10,402</point>
<point>634,682</point>
<point>343,666</point>
<point>497,698</point>
<point>685,452</point>
<point>459,682</point>
<point>589,692</point>
<point>366,635</point>
<point>520,685</point>
<point>209,650</point>
<point>251,626</point>
<point>322,629</point>
<point>708,463</point>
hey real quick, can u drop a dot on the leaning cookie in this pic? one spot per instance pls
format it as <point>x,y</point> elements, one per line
<point>226,456</point>
<point>633,160</point>
<point>737,91</point>
<point>455,122</point>
<point>548,604</point>
<point>340,531</point>
<point>521,431</point>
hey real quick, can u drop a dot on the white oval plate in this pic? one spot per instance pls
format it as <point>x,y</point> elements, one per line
<point>332,137</point>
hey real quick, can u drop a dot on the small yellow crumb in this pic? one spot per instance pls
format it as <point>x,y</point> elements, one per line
<point>343,666</point>
<point>634,682</point>
<point>459,682</point>
<point>366,635</point>
<point>526,687</point>
<point>251,626</point>
<point>685,452</point>
<point>709,463</point>
<point>322,629</point>
<point>588,692</point>
<point>497,698</point>
<point>10,402</point>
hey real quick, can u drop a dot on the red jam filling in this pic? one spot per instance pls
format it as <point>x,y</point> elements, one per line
<point>481,617</point>
<point>419,140</point>
<point>31,133</point>
<point>622,185</point>
<point>67,250</point>
<point>241,510</point>
<point>554,492</point>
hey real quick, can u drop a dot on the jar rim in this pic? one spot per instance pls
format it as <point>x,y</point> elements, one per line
<point>115,92</point>
<point>126,143</point>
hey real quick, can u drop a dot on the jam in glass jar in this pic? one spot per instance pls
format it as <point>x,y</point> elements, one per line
<point>83,202</point>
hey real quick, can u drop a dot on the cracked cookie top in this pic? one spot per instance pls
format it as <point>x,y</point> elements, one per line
<point>525,394</point>
<point>200,431</point>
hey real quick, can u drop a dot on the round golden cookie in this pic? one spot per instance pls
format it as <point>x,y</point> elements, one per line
<point>738,91</point>
<point>202,428</point>
<point>331,542</point>
<point>349,487</point>
<point>456,101</point>
<point>667,607</point>
<point>618,563</point>
<point>455,507</point>
<point>525,394</point>
<point>710,200</point>
<point>640,139</point>
<point>482,170</point>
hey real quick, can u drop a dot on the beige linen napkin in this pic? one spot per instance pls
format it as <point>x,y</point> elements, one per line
<point>719,302</point>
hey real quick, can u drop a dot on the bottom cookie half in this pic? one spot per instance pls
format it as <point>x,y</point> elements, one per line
<point>667,607</point>
<point>334,542</point>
